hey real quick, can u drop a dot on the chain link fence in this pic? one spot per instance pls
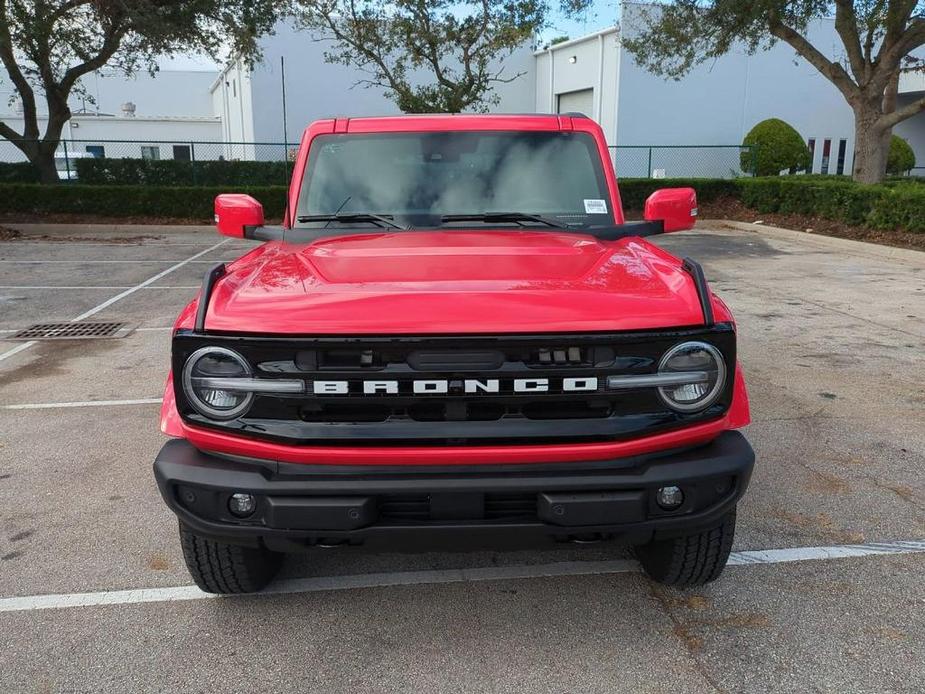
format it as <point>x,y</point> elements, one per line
<point>163,162</point>
<point>178,162</point>
<point>683,161</point>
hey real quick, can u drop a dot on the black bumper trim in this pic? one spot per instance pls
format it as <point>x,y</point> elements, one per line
<point>612,498</point>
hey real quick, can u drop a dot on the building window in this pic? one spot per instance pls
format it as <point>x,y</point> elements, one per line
<point>842,149</point>
<point>182,153</point>
<point>152,152</point>
<point>826,153</point>
<point>812,153</point>
<point>97,151</point>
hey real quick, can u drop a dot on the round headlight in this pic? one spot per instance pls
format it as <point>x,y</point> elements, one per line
<point>704,364</point>
<point>211,363</point>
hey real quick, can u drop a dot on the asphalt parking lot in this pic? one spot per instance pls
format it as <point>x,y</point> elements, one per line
<point>831,340</point>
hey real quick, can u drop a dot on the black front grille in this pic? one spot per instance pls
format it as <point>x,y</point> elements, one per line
<point>479,402</point>
<point>414,508</point>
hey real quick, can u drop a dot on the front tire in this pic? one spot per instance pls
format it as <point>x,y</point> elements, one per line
<point>218,567</point>
<point>689,560</point>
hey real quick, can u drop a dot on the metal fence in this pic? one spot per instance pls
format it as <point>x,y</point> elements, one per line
<point>630,161</point>
<point>683,161</point>
<point>69,151</point>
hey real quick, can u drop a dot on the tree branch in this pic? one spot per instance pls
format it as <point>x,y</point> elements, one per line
<point>8,133</point>
<point>846,24</point>
<point>833,71</point>
<point>912,38</point>
<point>26,94</point>
<point>107,50</point>
<point>901,114</point>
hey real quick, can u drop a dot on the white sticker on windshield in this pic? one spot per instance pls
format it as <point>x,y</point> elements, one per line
<point>596,206</point>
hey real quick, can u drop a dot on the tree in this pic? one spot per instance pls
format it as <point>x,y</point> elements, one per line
<point>774,146</point>
<point>901,158</point>
<point>47,46</point>
<point>458,45</point>
<point>877,37</point>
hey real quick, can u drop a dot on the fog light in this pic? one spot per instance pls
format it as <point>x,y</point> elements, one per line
<point>669,498</point>
<point>242,505</point>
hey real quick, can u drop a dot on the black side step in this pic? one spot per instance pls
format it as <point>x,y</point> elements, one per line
<point>213,275</point>
<point>695,270</point>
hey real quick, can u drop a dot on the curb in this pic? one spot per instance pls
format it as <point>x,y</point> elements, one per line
<point>37,229</point>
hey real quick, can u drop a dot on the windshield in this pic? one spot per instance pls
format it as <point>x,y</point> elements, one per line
<point>421,178</point>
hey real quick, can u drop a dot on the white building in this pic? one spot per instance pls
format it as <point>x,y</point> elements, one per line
<point>716,104</point>
<point>658,126</point>
<point>250,101</point>
<point>135,116</point>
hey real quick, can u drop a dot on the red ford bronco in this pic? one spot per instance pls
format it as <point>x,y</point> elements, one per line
<point>454,338</point>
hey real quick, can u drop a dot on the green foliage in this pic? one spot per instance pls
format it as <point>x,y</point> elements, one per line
<point>47,47</point>
<point>20,172</point>
<point>901,158</point>
<point>171,172</point>
<point>899,205</point>
<point>775,146</point>
<point>877,39</point>
<point>843,200</point>
<point>634,191</point>
<point>129,201</point>
<point>458,44</point>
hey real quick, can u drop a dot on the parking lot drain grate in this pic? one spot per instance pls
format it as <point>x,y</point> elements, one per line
<point>73,331</point>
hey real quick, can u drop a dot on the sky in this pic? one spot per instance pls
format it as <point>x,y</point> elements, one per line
<point>602,14</point>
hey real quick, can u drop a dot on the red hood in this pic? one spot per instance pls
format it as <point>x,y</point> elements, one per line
<point>453,282</point>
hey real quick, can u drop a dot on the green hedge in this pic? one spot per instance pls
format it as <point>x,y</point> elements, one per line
<point>634,191</point>
<point>19,172</point>
<point>172,172</point>
<point>898,205</point>
<point>130,201</point>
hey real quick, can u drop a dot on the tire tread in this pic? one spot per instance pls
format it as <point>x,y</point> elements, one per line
<point>690,560</point>
<point>218,567</point>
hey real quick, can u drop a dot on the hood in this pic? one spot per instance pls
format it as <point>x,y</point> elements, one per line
<point>454,282</point>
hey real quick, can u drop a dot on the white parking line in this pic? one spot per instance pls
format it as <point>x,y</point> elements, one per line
<point>109,302</point>
<point>29,603</point>
<point>83,286</point>
<point>87,403</point>
<point>162,261</point>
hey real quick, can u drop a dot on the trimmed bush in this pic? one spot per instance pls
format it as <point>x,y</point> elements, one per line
<point>779,148</point>
<point>634,191</point>
<point>901,159</point>
<point>173,172</point>
<point>130,201</point>
<point>899,205</point>
<point>19,172</point>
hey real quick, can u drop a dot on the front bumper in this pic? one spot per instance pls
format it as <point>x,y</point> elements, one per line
<point>302,505</point>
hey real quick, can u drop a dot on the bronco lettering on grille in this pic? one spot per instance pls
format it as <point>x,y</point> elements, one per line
<point>469,386</point>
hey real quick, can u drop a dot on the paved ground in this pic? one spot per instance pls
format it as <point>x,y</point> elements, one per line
<point>831,341</point>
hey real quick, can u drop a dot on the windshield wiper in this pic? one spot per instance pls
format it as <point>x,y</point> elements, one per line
<point>379,219</point>
<point>515,217</point>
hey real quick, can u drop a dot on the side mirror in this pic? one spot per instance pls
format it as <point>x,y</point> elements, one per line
<point>676,208</point>
<point>236,215</point>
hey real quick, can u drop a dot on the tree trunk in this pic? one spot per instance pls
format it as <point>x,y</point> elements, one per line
<point>870,154</point>
<point>44,164</point>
